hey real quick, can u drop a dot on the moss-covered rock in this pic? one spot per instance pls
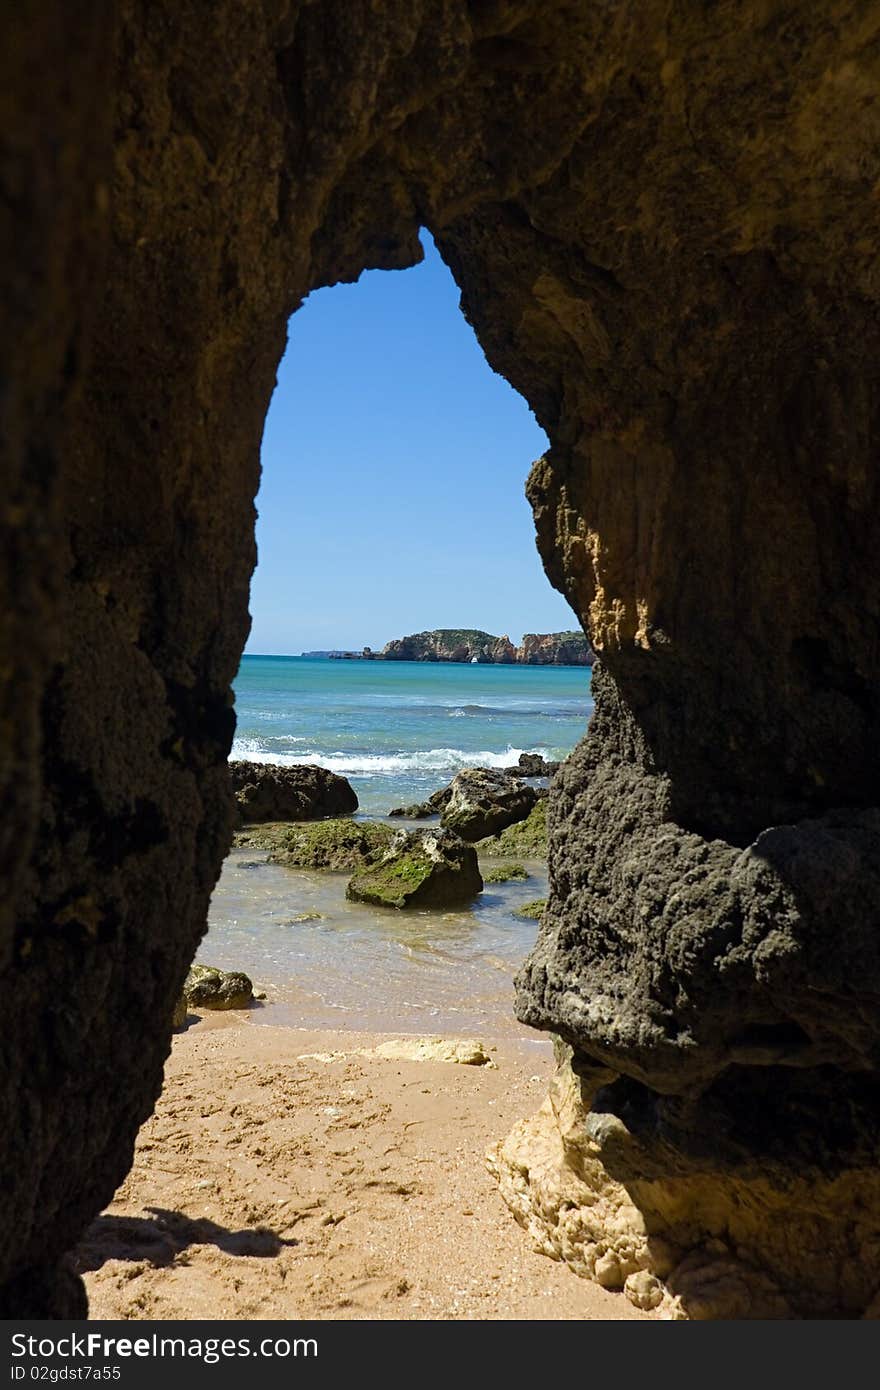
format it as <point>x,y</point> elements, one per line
<point>534,910</point>
<point>206,987</point>
<point>505,873</point>
<point>420,868</point>
<point>330,844</point>
<point>525,840</point>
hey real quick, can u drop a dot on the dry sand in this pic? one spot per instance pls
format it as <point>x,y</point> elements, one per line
<point>270,1184</point>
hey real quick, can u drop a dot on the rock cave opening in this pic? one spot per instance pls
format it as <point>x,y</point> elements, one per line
<point>663,223</point>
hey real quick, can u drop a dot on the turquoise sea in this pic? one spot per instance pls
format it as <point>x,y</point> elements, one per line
<point>398,731</point>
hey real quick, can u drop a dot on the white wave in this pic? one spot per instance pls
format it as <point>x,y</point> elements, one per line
<point>379,764</point>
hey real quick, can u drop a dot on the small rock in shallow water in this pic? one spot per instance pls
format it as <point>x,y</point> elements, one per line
<point>206,987</point>
<point>534,911</point>
<point>506,873</point>
<point>420,868</point>
<point>302,917</point>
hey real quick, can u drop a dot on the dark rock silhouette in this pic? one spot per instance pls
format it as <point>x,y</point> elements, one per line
<point>269,792</point>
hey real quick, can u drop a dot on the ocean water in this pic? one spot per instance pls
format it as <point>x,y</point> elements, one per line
<point>398,731</point>
<point>353,966</point>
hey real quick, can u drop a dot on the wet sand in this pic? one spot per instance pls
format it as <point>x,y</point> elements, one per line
<point>274,1184</point>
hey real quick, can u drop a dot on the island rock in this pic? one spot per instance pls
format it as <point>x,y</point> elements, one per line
<point>468,644</point>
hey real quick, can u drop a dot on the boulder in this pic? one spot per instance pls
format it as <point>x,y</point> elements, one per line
<point>484,801</point>
<point>534,765</point>
<point>525,840</point>
<point>419,810</point>
<point>269,792</point>
<point>330,844</point>
<point>206,987</point>
<point>420,868</point>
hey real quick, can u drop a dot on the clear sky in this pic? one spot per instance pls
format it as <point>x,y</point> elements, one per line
<point>394,461</point>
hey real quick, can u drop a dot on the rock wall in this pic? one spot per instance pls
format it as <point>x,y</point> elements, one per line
<point>662,219</point>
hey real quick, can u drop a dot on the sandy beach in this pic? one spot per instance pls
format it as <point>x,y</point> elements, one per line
<point>286,1175</point>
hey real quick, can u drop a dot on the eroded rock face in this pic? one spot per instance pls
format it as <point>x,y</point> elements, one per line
<point>699,1211</point>
<point>663,223</point>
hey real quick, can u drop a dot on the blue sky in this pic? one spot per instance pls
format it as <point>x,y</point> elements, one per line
<point>394,461</point>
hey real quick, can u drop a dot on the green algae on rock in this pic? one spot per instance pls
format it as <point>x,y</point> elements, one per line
<point>533,910</point>
<point>206,987</point>
<point>420,868</point>
<point>526,840</point>
<point>506,873</point>
<point>329,844</point>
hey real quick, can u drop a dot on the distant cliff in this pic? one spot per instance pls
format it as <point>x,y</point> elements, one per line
<point>470,644</point>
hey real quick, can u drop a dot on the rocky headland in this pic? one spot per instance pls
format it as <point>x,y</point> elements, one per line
<point>467,644</point>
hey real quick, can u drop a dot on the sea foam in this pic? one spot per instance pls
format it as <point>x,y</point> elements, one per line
<point>379,764</point>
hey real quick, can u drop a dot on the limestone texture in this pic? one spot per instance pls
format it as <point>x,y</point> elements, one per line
<point>662,218</point>
<point>419,869</point>
<point>465,1052</point>
<point>268,792</point>
<point>602,1180</point>
<point>484,801</point>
